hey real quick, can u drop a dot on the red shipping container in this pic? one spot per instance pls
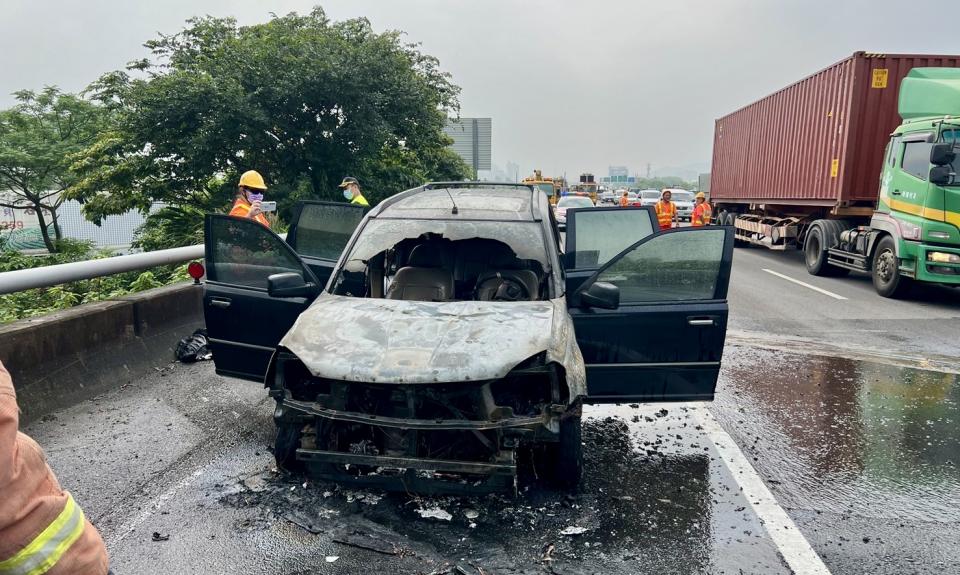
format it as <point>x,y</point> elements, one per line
<point>818,142</point>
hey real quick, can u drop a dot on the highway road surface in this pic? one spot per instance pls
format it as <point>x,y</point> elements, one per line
<point>832,447</point>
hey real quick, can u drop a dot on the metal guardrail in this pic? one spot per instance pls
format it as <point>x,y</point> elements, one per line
<point>47,276</point>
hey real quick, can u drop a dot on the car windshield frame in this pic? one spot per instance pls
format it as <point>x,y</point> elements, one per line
<point>531,241</point>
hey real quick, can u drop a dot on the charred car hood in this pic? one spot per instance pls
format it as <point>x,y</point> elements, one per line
<point>395,341</point>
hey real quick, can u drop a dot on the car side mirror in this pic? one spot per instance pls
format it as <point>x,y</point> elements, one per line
<point>601,294</point>
<point>289,284</point>
<point>941,175</point>
<point>942,154</point>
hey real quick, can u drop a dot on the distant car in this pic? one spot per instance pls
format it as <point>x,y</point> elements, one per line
<point>649,197</point>
<point>684,202</point>
<point>608,197</point>
<point>567,202</point>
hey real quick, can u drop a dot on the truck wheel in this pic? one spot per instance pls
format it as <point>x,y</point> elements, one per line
<point>886,270</point>
<point>815,255</point>
<point>286,444</point>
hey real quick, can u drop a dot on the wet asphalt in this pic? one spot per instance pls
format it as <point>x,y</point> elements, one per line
<point>175,456</point>
<point>855,432</point>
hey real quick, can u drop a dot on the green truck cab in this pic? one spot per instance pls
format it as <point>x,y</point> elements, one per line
<point>854,165</point>
<point>915,230</point>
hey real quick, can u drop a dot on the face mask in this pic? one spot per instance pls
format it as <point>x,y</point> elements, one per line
<point>348,194</point>
<point>256,198</point>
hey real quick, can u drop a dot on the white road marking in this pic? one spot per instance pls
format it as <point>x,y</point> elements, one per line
<point>804,284</point>
<point>793,546</point>
<point>154,506</point>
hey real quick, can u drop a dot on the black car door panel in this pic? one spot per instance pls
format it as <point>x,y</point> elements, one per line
<point>245,324</point>
<point>664,341</point>
<point>657,353</point>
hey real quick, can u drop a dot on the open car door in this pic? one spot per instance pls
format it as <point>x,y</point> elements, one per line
<point>651,321</point>
<point>244,323</point>
<point>320,231</point>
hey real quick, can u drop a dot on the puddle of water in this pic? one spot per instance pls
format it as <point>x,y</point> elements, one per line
<point>846,436</point>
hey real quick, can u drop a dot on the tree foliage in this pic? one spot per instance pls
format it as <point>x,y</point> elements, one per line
<point>300,98</point>
<point>38,135</point>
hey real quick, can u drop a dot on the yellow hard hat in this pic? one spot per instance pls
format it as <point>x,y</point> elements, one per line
<point>252,179</point>
<point>701,195</point>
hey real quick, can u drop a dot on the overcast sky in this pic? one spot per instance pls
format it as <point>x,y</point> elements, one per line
<point>570,85</point>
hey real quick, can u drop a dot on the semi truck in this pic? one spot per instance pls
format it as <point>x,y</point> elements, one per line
<point>855,165</point>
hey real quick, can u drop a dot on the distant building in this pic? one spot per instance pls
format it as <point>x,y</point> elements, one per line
<point>472,141</point>
<point>619,177</point>
<point>616,172</point>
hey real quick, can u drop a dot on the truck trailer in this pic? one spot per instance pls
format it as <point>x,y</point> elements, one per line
<point>855,165</point>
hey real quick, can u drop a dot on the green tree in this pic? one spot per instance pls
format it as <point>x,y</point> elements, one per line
<point>37,137</point>
<point>300,98</point>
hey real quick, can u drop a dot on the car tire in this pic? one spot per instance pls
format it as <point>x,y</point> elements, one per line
<point>885,270</point>
<point>561,463</point>
<point>569,467</point>
<point>286,444</point>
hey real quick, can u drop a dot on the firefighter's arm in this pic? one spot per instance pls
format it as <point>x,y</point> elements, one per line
<point>9,421</point>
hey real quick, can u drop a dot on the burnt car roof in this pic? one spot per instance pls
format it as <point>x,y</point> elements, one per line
<point>476,202</point>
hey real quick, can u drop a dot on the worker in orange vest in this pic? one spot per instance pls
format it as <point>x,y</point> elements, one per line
<point>666,211</point>
<point>702,212</point>
<point>42,529</point>
<point>624,200</point>
<point>249,195</point>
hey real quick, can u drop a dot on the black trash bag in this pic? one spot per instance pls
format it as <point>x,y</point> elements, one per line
<point>194,347</point>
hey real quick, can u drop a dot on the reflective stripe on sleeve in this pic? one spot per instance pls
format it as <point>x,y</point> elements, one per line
<point>47,548</point>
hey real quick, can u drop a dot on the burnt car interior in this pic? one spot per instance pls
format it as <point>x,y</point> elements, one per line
<point>436,269</point>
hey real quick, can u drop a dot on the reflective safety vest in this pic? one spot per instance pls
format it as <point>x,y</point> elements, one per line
<point>624,201</point>
<point>666,214</point>
<point>42,529</point>
<point>701,215</point>
<point>41,554</point>
<point>359,200</point>
<point>241,208</point>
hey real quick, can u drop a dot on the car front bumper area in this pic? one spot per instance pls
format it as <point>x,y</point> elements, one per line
<point>446,438</point>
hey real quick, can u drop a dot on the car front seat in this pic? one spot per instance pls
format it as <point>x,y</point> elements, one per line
<point>423,278</point>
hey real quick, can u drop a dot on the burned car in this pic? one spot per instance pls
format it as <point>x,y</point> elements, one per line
<point>448,332</point>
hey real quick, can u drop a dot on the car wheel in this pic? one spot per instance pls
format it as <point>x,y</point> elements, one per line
<point>886,270</point>
<point>286,444</point>
<point>569,467</point>
<point>561,463</point>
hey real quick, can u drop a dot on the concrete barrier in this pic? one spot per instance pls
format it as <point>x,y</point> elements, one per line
<point>70,355</point>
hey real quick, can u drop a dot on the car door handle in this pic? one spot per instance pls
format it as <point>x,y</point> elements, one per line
<point>895,192</point>
<point>700,321</point>
<point>222,303</point>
